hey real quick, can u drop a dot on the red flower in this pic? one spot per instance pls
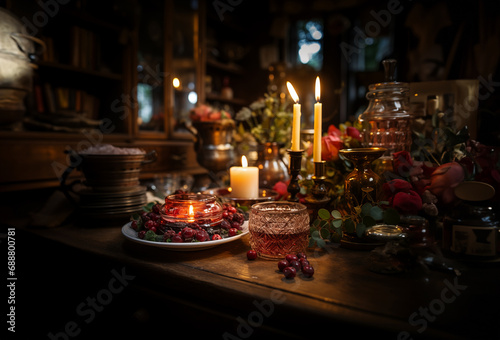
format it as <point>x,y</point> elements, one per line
<point>353,132</point>
<point>282,189</point>
<point>407,202</point>
<point>395,186</point>
<point>401,197</point>
<point>444,179</point>
<point>402,163</point>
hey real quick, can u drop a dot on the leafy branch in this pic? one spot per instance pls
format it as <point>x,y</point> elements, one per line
<point>331,226</point>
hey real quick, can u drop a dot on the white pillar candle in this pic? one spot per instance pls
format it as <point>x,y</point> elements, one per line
<point>318,111</point>
<point>244,180</point>
<point>296,118</point>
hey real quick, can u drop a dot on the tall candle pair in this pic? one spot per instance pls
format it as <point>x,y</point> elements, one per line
<point>317,121</point>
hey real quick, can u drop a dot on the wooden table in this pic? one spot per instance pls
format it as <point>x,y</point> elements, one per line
<point>218,293</point>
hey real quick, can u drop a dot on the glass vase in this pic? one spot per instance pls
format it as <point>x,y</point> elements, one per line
<point>272,169</point>
<point>362,185</point>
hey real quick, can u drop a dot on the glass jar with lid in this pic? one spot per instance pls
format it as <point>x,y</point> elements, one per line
<point>386,122</point>
<point>471,230</point>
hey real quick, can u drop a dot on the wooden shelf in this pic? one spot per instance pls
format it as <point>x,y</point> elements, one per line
<point>234,101</point>
<point>229,67</point>
<point>79,70</point>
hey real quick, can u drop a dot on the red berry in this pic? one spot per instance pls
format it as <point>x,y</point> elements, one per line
<point>291,257</point>
<point>202,235</point>
<point>216,237</point>
<point>141,234</point>
<point>232,231</point>
<point>134,225</point>
<point>150,224</point>
<point>153,229</point>
<point>304,263</point>
<point>283,264</point>
<point>156,208</point>
<point>176,239</point>
<point>301,256</point>
<point>295,264</point>
<point>251,254</point>
<point>289,272</point>
<point>188,234</point>
<point>231,209</point>
<point>308,271</point>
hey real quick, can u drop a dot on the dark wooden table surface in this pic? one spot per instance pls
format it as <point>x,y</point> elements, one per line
<point>218,293</point>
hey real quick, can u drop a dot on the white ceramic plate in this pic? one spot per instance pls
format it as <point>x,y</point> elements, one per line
<point>131,234</point>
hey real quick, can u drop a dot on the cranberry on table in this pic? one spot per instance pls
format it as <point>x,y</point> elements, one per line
<point>308,271</point>
<point>283,264</point>
<point>251,254</point>
<point>301,256</point>
<point>289,272</point>
<point>295,264</point>
<point>291,257</point>
<point>304,263</point>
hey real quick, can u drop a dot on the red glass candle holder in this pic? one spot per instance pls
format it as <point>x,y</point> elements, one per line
<point>182,209</point>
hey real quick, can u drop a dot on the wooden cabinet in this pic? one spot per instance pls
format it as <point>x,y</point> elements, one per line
<point>103,63</point>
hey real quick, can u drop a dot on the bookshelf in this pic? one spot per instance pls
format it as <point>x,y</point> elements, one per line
<point>84,92</point>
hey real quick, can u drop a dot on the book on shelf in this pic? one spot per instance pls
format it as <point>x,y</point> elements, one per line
<point>84,48</point>
<point>62,100</point>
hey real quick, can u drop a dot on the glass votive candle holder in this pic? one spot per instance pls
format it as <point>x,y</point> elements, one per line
<point>278,228</point>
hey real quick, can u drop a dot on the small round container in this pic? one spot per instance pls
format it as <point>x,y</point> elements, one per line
<point>202,209</point>
<point>471,230</point>
<point>278,228</point>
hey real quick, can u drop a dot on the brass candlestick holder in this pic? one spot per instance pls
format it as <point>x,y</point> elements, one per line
<point>294,169</point>
<point>318,198</point>
<point>319,189</point>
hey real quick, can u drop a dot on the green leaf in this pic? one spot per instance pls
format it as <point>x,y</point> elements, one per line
<point>360,229</point>
<point>325,234</point>
<point>365,209</point>
<point>391,216</point>
<point>321,243</point>
<point>377,213</point>
<point>312,242</point>
<point>148,206</point>
<point>323,214</point>
<point>315,235</point>
<point>336,214</point>
<point>337,236</point>
<point>135,217</point>
<point>349,226</point>
<point>336,223</point>
<point>383,202</point>
<point>150,236</point>
<point>368,221</point>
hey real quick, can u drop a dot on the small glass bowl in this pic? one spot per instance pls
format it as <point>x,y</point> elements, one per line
<point>205,211</point>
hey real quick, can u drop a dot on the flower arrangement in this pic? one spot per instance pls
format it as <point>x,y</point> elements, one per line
<point>416,187</point>
<point>207,113</point>
<point>267,119</point>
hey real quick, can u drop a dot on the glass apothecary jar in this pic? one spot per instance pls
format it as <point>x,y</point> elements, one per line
<point>386,122</point>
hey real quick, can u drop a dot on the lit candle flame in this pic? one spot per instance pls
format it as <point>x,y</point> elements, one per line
<point>318,89</point>
<point>244,161</point>
<point>191,213</point>
<point>294,95</point>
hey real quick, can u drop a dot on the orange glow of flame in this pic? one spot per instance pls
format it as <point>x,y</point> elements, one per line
<point>294,95</point>
<point>191,213</point>
<point>317,89</point>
